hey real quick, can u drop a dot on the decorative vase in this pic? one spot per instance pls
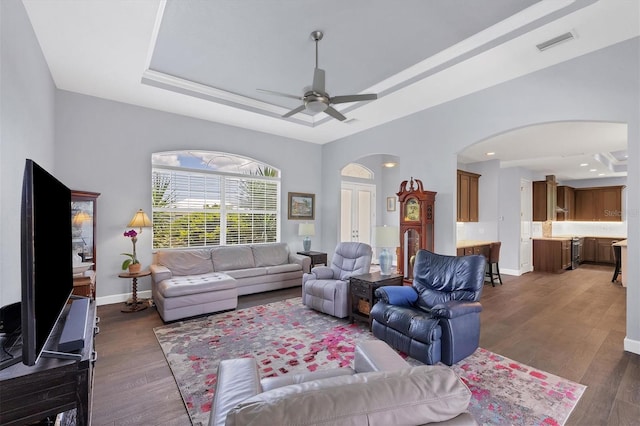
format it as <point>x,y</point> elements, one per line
<point>134,268</point>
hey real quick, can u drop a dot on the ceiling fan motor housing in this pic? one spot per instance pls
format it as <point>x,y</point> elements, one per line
<point>316,102</point>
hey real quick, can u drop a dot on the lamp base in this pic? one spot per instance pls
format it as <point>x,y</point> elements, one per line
<point>385,262</point>
<point>306,244</point>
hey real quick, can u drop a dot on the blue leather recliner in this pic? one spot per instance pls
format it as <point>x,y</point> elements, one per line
<point>438,317</point>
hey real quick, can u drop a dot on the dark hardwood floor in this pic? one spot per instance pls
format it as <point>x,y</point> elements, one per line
<point>571,324</point>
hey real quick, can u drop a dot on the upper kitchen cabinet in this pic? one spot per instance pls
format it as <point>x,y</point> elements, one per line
<point>599,204</point>
<point>468,196</point>
<point>545,199</point>
<point>566,203</point>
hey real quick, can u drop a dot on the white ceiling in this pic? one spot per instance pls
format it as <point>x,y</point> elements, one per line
<point>568,150</point>
<point>205,59</point>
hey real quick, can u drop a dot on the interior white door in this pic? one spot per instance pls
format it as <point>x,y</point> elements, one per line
<point>357,212</point>
<point>526,250</point>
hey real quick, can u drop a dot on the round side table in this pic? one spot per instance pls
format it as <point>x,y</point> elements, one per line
<point>136,305</point>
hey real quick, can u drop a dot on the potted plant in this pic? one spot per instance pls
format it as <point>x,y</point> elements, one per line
<point>132,263</point>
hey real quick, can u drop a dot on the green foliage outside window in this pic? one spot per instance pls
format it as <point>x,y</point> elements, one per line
<point>250,213</point>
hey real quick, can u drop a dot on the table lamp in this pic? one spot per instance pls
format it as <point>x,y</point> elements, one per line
<point>386,236</point>
<point>140,220</point>
<point>306,230</point>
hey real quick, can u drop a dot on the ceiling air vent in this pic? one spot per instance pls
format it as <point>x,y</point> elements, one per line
<point>555,41</point>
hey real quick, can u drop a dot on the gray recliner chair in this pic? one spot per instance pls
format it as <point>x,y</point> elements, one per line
<point>326,288</point>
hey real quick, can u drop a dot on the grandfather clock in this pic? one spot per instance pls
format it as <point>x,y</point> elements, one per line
<point>416,224</point>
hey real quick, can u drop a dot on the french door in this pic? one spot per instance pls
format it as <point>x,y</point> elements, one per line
<point>357,212</point>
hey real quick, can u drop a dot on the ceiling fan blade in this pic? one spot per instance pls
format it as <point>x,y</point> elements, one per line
<point>335,114</point>
<point>318,81</point>
<point>294,111</point>
<point>286,95</point>
<point>353,98</point>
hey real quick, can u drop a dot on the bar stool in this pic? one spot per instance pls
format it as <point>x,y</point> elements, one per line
<point>494,258</point>
<point>617,254</point>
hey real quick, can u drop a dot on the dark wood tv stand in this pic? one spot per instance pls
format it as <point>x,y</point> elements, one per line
<point>52,386</point>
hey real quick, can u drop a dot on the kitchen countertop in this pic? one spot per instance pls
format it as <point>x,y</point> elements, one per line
<point>553,238</point>
<point>568,237</point>
<point>471,243</point>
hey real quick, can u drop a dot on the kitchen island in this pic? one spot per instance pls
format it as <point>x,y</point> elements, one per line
<point>551,254</point>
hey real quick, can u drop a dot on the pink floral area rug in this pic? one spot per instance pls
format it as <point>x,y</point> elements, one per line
<point>287,337</point>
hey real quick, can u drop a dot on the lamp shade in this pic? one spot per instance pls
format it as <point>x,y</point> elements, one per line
<point>140,220</point>
<point>306,229</point>
<point>386,236</point>
<point>80,218</point>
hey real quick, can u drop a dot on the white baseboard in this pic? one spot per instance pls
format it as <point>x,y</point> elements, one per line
<point>514,272</point>
<point>121,298</point>
<point>632,345</point>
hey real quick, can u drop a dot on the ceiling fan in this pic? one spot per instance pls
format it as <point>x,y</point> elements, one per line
<point>316,99</point>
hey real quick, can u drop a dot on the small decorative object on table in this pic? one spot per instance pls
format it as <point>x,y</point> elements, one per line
<point>140,220</point>
<point>386,237</point>
<point>306,230</point>
<point>132,262</point>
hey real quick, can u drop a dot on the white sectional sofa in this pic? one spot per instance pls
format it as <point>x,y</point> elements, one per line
<point>199,281</point>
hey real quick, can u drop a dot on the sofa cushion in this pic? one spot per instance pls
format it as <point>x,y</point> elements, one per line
<point>186,262</point>
<point>192,284</point>
<point>228,258</point>
<point>247,273</point>
<point>271,254</point>
<point>280,269</point>
<point>416,395</point>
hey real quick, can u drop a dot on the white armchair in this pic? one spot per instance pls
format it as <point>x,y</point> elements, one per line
<point>326,288</point>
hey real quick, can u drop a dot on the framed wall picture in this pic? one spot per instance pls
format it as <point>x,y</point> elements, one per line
<point>391,204</point>
<point>302,206</point>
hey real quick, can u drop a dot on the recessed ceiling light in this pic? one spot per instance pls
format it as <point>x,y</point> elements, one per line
<point>489,154</point>
<point>389,164</point>
<point>584,164</point>
<point>593,170</point>
<point>600,174</point>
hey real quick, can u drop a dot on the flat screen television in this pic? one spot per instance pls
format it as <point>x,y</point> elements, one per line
<point>47,269</point>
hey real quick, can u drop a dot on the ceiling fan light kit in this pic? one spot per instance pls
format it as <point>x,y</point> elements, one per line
<point>317,99</point>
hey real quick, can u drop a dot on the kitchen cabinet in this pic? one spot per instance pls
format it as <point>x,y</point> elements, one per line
<point>468,201</point>
<point>604,250</point>
<point>551,255</point>
<point>544,199</point>
<point>598,250</point>
<point>566,203</point>
<point>589,249</point>
<point>599,204</point>
<point>466,248</point>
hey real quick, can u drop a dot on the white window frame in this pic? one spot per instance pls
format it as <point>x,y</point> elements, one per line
<point>224,209</point>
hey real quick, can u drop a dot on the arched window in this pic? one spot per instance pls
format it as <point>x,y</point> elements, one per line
<point>203,198</point>
<point>356,170</point>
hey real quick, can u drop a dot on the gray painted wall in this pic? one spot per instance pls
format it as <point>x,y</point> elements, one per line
<point>26,131</point>
<point>106,147</point>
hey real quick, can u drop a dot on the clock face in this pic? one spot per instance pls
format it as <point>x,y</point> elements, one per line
<point>412,210</point>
